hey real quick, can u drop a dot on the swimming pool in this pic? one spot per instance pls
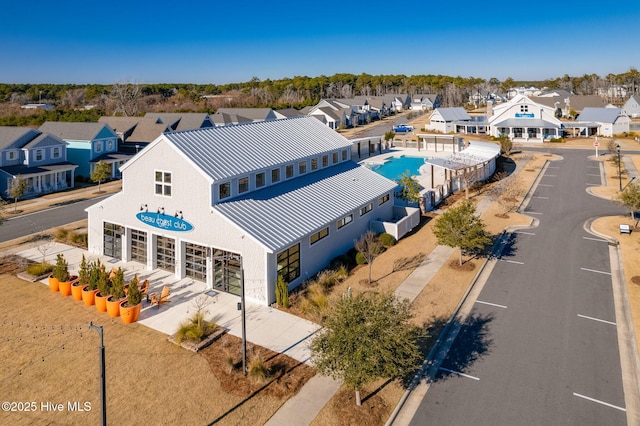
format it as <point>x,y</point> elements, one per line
<point>395,167</point>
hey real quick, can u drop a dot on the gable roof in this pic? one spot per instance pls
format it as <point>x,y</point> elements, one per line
<point>44,139</point>
<point>600,115</point>
<point>182,121</point>
<point>16,136</point>
<point>74,130</point>
<point>453,113</point>
<point>228,151</point>
<point>279,215</point>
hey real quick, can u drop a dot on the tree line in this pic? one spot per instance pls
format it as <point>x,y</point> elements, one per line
<point>295,92</point>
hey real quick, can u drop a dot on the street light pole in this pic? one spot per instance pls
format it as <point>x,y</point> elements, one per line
<point>619,173</point>
<point>103,382</point>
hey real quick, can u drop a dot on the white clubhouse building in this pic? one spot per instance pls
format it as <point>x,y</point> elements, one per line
<point>274,197</point>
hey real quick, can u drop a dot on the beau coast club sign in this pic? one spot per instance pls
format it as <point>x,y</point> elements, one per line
<point>161,221</point>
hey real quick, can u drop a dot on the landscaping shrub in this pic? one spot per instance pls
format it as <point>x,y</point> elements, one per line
<point>257,369</point>
<point>386,239</point>
<point>38,269</point>
<point>360,259</point>
<point>315,301</point>
<point>61,234</point>
<point>282,292</point>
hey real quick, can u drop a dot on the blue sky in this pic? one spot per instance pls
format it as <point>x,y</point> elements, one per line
<point>206,42</point>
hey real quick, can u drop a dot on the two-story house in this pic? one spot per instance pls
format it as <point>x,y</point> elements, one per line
<point>38,158</point>
<point>88,144</point>
<point>279,197</point>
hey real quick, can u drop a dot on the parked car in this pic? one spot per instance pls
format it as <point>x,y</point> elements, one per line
<point>401,128</point>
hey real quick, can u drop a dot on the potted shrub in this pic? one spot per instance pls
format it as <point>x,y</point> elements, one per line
<point>117,294</point>
<point>93,277</point>
<point>83,280</point>
<point>104,290</point>
<point>130,307</point>
<point>61,273</point>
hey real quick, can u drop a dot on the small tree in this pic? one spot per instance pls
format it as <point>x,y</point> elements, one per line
<point>389,135</point>
<point>506,145</point>
<point>409,188</point>
<point>510,193</point>
<point>282,292</point>
<point>17,190</point>
<point>630,198</point>
<point>61,269</point>
<point>459,227</point>
<point>369,247</point>
<point>100,172</point>
<point>366,337</point>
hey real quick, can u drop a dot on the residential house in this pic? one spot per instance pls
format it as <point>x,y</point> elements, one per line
<point>608,121</point>
<point>632,106</point>
<point>397,103</point>
<point>569,105</point>
<point>38,158</point>
<point>288,113</point>
<point>88,144</point>
<point>226,116</point>
<point>332,113</point>
<point>425,102</point>
<point>237,206</point>
<point>446,120</point>
<point>135,133</point>
<point>182,120</point>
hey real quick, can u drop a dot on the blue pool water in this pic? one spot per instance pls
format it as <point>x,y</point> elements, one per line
<point>395,167</point>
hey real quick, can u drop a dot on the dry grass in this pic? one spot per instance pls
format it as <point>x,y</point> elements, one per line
<point>49,354</point>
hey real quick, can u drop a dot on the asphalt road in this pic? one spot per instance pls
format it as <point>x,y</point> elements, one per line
<point>540,345</point>
<point>31,223</point>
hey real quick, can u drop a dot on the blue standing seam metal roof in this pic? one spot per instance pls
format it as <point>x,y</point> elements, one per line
<point>229,151</point>
<point>282,214</point>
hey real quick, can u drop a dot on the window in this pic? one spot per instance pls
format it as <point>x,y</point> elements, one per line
<point>260,181</point>
<point>325,160</point>
<point>243,184</point>
<point>98,146</point>
<point>163,183</point>
<point>289,263</point>
<point>344,221</point>
<point>289,171</point>
<point>524,108</point>
<point>319,235</point>
<point>344,155</point>
<point>383,199</point>
<point>302,167</point>
<point>314,164</point>
<point>56,152</point>
<point>224,190</point>
<point>275,175</point>
<point>334,158</point>
<point>366,209</point>
<point>38,155</point>
<point>11,155</point>
<point>109,145</point>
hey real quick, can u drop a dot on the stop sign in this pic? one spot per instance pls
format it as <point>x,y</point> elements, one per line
<point>596,144</point>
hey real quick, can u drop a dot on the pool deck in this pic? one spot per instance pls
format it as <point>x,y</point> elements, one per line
<point>422,179</point>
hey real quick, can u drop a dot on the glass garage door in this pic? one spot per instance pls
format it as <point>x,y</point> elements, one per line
<point>196,261</point>
<point>139,246</point>
<point>166,254</point>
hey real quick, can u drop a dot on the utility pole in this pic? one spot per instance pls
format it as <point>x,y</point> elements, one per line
<point>103,382</point>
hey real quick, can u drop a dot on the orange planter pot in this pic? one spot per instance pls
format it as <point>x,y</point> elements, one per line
<point>65,287</point>
<point>76,290</point>
<point>129,314</point>
<point>101,302</point>
<point>113,307</point>
<point>89,296</point>
<point>54,285</point>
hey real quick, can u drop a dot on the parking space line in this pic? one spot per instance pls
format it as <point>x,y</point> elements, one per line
<point>550,175</point>
<point>596,239</point>
<point>599,402</point>
<point>597,319</point>
<point>511,261</point>
<point>525,233</point>
<point>458,373</point>
<point>593,184</point>
<point>542,198</point>
<point>543,184</point>
<point>538,213</point>
<point>591,174</point>
<point>491,304</point>
<point>597,272</point>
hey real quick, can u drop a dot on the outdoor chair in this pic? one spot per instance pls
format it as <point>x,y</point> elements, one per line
<point>144,289</point>
<point>160,297</point>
